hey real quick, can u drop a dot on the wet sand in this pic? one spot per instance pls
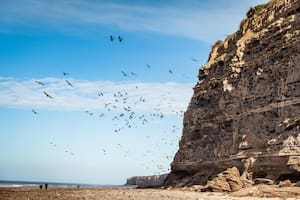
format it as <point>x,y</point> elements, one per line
<point>26,193</point>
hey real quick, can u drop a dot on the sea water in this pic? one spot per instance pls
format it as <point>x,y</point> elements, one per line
<point>6,183</point>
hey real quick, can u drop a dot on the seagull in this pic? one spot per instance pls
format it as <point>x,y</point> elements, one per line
<point>100,94</point>
<point>120,38</point>
<point>48,95</point>
<point>65,73</point>
<point>124,74</point>
<point>40,83</point>
<point>195,60</point>
<point>170,71</point>
<point>133,74</point>
<point>34,112</point>
<point>70,84</point>
<point>148,66</point>
<point>111,38</point>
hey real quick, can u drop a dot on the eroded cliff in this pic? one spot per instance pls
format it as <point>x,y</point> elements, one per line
<point>147,181</point>
<point>245,111</point>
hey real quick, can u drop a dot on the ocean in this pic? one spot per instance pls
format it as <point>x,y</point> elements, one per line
<point>54,184</point>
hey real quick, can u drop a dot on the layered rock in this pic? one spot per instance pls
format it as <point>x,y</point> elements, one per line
<point>227,181</point>
<point>147,181</point>
<point>245,111</point>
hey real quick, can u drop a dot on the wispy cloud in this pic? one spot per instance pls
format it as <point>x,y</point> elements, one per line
<point>189,21</point>
<point>166,98</point>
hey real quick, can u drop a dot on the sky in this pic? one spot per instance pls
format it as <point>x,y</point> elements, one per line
<point>78,107</point>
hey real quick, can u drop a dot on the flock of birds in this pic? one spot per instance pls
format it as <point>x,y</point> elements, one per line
<point>112,38</point>
<point>129,118</point>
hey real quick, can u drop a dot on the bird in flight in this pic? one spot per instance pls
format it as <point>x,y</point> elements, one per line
<point>170,71</point>
<point>70,84</point>
<point>111,38</point>
<point>48,95</point>
<point>40,83</point>
<point>34,112</point>
<point>65,73</point>
<point>120,38</point>
<point>124,74</point>
<point>133,74</point>
<point>100,94</point>
<point>148,66</point>
<point>195,60</point>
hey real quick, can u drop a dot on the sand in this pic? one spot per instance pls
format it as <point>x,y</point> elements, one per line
<point>20,193</point>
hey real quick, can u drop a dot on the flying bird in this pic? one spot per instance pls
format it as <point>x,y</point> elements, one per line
<point>70,84</point>
<point>170,71</point>
<point>148,66</point>
<point>48,95</point>
<point>40,83</point>
<point>195,60</point>
<point>120,38</point>
<point>111,38</point>
<point>34,112</point>
<point>124,74</point>
<point>133,74</point>
<point>100,94</point>
<point>65,73</point>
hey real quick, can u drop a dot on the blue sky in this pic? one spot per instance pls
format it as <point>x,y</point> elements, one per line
<point>75,136</point>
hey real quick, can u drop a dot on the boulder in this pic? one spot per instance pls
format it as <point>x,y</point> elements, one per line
<point>227,181</point>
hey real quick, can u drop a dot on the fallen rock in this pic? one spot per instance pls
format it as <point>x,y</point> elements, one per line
<point>265,181</point>
<point>285,183</point>
<point>227,181</point>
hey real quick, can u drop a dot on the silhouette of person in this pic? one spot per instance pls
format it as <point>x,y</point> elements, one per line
<point>78,186</point>
<point>46,186</point>
<point>41,186</point>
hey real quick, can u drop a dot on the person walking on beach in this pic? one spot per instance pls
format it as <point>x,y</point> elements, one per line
<point>46,186</point>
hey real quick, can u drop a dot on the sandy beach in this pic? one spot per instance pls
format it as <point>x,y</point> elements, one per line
<point>20,193</point>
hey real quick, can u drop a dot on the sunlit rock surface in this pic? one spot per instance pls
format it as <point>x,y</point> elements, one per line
<point>245,110</point>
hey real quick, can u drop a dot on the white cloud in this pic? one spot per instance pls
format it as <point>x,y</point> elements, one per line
<point>191,22</point>
<point>167,97</point>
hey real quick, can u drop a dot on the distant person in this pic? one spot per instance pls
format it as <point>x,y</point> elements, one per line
<point>46,186</point>
<point>41,186</point>
<point>78,186</point>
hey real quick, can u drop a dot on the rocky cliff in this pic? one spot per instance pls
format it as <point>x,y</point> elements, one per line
<point>147,181</point>
<point>245,111</point>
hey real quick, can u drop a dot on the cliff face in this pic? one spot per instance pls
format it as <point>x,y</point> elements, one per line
<point>245,111</point>
<point>147,181</point>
